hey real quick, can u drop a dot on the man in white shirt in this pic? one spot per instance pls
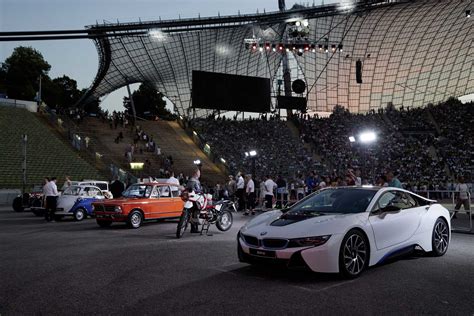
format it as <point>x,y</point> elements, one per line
<point>270,185</point>
<point>174,184</point>
<point>462,191</point>
<point>250,193</point>
<point>50,190</point>
<point>240,191</point>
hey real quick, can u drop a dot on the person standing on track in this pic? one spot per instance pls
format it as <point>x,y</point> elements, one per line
<point>240,191</point>
<point>250,192</point>
<point>270,186</point>
<point>194,185</point>
<point>51,193</point>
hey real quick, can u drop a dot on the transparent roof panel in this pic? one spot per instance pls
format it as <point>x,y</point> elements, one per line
<point>412,53</point>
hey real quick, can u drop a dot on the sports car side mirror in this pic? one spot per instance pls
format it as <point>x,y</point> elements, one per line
<point>386,209</point>
<point>390,209</point>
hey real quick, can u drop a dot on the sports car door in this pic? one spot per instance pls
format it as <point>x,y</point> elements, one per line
<point>395,218</point>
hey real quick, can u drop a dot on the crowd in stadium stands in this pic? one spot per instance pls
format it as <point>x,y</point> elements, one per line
<point>456,141</point>
<point>407,154</point>
<point>428,148</point>
<point>278,149</point>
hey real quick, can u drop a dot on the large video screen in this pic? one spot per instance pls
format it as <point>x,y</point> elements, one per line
<point>220,91</point>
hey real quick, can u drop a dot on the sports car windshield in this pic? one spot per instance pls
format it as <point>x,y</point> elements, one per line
<point>334,201</point>
<point>138,191</point>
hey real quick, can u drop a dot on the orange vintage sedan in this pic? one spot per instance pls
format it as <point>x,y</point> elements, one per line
<point>140,202</point>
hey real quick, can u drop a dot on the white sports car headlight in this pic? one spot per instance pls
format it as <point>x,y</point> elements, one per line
<point>308,241</point>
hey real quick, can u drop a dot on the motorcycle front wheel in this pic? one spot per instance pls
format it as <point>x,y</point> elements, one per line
<point>224,221</point>
<point>182,224</point>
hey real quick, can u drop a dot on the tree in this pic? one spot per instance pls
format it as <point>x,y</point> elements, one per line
<point>21,73</point>
<point>61,92</point>
<point>148,102</point>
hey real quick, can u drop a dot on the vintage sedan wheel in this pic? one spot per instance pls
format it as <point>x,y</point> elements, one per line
<point>440,238</point>
<point>135,219</point>
<point>354,254</point>
<point>17,204</point>
<point>80,214</point>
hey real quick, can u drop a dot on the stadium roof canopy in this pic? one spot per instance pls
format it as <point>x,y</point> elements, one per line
<point>412,52</point>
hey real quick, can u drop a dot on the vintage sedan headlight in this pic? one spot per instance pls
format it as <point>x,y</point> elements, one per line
<point>117,209</point>
<point>308,241</point>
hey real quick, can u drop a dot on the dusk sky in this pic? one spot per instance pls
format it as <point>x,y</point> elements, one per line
<point>78,58</point>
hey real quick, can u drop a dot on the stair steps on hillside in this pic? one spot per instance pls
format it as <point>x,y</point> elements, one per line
<point>174,141</point>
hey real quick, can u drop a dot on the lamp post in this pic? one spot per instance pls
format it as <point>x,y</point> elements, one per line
<point>365,138</point>
<point>252,154</point>
<point>24,142</point>
<point>198,163</point>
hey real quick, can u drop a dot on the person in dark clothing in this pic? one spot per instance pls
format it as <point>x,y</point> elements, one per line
<point>51,192</point>
<point>282,195</point>
<point>117,187</point>
<point>194,185</point>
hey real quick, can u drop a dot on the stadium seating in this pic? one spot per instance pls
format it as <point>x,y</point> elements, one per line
<point>47,154</point>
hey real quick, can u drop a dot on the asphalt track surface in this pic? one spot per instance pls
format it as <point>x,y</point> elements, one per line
<point>70,268</point>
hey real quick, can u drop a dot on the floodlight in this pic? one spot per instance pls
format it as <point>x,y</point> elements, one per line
<point>253,153</point>
<point>352,139</point>
<point>157,36</point>
<point>246,154</point>
<point>367,137</point>
<point>223,160</point>
<point>197,162</point>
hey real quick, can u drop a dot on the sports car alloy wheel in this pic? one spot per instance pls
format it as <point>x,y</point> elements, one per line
<point>354,254</point>
<point>440,237</point>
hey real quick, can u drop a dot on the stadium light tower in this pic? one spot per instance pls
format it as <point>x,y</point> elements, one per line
<point>252,154</point>
<point>198,164</point>
<point>367,137</point>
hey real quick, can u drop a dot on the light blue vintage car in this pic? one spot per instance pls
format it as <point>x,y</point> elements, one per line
<point>76,201</point>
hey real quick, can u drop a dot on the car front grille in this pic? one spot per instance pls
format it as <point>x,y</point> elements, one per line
<point>110,208</point>
<point>274,243</point>
<point>250,240</point>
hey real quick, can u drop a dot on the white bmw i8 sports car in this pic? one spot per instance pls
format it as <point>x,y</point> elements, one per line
<point>346,230</point>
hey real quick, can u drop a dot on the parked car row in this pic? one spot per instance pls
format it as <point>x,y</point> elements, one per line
<point>140,202</point>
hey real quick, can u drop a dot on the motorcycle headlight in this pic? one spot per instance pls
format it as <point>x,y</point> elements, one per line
<point>184,196</point>
<point>117,209</point>
<point>309,241</point>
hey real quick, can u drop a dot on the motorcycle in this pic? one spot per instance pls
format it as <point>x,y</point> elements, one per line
<point>208,213</point>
